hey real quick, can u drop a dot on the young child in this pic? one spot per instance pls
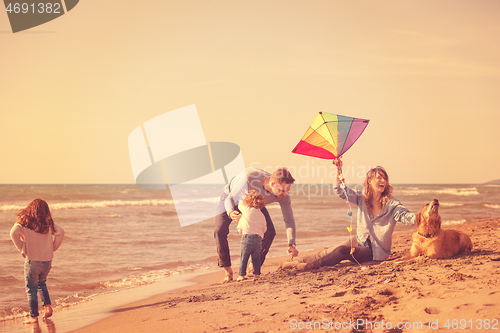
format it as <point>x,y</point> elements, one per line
<point>36,236</point>
<point>252,226</point>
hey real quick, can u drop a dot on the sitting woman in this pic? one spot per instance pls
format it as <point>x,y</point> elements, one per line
<point>378,213</point>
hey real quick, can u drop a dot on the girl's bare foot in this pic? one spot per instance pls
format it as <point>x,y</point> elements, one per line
<point>240,278</point>
<point>32,320</point>
<point>256,277</point>
<point>48,311</point>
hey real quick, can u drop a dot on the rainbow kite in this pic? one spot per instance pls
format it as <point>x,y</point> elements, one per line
<point>330,136</point>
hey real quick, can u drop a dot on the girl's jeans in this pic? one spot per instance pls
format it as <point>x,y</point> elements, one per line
<point>36,273</point>
<point>251,245</point>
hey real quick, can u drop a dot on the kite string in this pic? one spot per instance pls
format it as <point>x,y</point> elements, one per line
<point>349,211</point>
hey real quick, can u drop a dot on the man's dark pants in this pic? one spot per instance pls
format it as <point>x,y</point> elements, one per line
<point>222,223</point>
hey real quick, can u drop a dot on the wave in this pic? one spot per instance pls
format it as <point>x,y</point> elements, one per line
<point>149,274</point>
<point>454,222</point>
<point>210,200</point>
<point>8,280</point>
<point>96,204</point>
<point>450,204</point>
<point>449,191</point>
<point>492,206</point>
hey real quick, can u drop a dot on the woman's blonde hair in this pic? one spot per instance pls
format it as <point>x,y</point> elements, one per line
<point>254,199</point>
<point>386,195</point>
<point>36,216</point>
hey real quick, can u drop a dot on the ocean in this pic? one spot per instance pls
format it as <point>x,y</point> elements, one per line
<point>123,236</point>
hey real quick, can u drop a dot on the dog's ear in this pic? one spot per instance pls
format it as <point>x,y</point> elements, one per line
<point>417,219</point>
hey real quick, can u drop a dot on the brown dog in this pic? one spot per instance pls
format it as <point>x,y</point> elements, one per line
<point>432,241</point>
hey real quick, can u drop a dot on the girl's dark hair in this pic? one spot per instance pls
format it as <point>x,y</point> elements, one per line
<point>36,216</point>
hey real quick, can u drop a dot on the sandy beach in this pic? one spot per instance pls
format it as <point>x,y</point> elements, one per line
<point>453,295</point>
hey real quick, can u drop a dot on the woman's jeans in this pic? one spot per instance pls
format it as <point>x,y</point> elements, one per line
<point>251,245</point>
<point>335,254</point>
<point>36,273</point>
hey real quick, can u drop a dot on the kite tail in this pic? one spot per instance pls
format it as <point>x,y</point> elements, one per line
<point>349,211</point>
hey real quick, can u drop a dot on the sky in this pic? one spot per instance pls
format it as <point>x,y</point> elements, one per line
<point>425,73</point>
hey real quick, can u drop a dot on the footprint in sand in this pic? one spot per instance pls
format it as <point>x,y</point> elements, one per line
<point>431,310</point>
